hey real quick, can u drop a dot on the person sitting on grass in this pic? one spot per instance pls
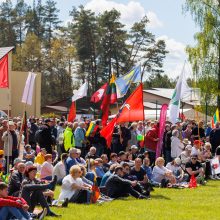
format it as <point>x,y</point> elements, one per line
<point>39,159</point>
<point>12,207</point>
<point>79,159</point>
<point>28,154</point>
<point>174,166</point>
<point>118,187</point>
<point>71,159</point>
<point>16,179</point>
<point>141,175</point>
<point>91,154</point>
<point>108,174</point>
<point>34,192</point>
<point>194,167</point>
<point>162,175</point>
<point>113,159</point>
<point>47,168</point>
<point>148,169</point>
<point>99,170</point>
<point>73,188</point>
<point>59,169</point>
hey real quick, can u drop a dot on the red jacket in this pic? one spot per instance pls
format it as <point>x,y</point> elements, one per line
<point>150,143</point>
<point>12,201</point>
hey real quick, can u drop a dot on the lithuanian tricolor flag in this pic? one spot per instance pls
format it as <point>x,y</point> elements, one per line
<point>215,118</point>
<point>113,97</point>
<point>91,129</point>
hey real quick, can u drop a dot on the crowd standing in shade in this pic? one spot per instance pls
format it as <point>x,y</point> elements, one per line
<point>54,151</point>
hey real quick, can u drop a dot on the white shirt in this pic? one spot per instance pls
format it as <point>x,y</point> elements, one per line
<point>59,170</point>
<point>66,190</point>
<point>159,173</point>
<point>173,168</point>
<point>176,147</point>
<point>46,170</point>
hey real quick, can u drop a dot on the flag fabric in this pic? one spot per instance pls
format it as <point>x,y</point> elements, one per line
<point>113,97</point>
<point>163,115</point>
<point>105,105</point>
<point>181,89</point>
<point>91,129</point>
<point>29,89</point>
<point>215,118</point>
<point>4,81</point>
<point>133,108</point>
<point>123,83</point>
<point>98,95</point>
<point>81,92</point>
<point>72,112</point>
<point>107,132</point>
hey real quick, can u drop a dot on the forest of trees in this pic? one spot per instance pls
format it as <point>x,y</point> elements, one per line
<point>88,47</point>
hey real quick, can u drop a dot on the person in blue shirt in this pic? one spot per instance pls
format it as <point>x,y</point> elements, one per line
<point>148,169</point>
<point>71,160</point>
<point>108,174</point>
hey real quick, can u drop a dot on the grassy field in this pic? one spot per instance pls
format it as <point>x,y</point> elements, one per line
<point>201,203</point>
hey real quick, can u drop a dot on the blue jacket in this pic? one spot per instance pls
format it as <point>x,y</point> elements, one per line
<point>79,136</point>
<point>69,163</point>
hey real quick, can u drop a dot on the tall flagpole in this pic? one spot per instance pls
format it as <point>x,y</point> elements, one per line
<point>142,75</point>
<point>8,131</point>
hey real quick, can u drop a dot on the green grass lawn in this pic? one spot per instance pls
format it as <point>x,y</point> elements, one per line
<point>170,204</point>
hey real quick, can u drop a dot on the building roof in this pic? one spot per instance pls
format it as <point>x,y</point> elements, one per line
<point>4,51</point>
<point>192,97</point>
<point>151,105</point>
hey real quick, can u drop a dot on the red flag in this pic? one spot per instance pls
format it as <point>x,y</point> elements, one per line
<point>107,131</point>
<point>72,113</point>
<point>105,105</point>
<point>97,96</point>
<point>133,108</point>
<point>4,72</point>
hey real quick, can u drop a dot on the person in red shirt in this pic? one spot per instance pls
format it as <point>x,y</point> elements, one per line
<point>12,207</point>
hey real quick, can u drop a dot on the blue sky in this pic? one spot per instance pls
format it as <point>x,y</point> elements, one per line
<point>167,21</point>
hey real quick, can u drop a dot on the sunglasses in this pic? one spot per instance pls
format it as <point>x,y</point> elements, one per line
<point>194,158</point>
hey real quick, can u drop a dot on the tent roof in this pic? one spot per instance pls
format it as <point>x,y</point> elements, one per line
<point>4,51</point>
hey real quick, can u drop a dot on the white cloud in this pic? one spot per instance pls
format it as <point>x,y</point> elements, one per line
<point>131,12</point>
<point>176,57</point>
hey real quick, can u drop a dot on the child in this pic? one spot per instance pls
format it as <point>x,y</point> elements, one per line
<point>12,207</point>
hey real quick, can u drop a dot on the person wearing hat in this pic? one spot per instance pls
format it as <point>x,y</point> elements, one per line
<point>196,149</point>
<point>33,191</point>
<point>10,138</point>
<point>185,155</point>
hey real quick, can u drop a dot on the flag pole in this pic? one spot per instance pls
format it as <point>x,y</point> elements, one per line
<point>142,75</point>
<point>8,131</point>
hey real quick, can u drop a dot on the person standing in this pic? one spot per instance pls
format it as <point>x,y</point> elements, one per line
<point>80,138</point>
<point>44,136</point>
<point>3,129</point>
<point>10,138</point>
<point>69,140</point>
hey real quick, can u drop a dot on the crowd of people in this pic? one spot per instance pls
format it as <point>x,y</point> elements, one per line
<point>57,152</point>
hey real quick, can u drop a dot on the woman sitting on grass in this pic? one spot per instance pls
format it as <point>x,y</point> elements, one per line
<point>162,175</point>
<point>73,188</point>
<point>47,168</point>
